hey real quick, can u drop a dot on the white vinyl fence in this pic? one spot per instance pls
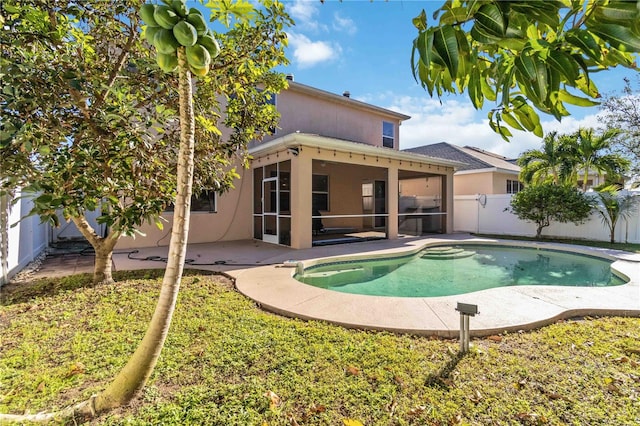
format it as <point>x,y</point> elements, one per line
<point>23,242</point>
<point>487,214</point>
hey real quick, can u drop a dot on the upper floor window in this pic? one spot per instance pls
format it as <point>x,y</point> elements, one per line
<point>270,99</point>
<point>514,186</point>
<point>388,134</point>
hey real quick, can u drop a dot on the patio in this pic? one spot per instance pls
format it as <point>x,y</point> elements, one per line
<point>260,274</point>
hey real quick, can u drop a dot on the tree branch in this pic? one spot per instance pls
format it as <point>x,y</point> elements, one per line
<point>124,53</point>
<point>86,230</point>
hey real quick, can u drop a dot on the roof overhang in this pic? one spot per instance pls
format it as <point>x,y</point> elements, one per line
<point>297,140</point>
<point>488,170</point>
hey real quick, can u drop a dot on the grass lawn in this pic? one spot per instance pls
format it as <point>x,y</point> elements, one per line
<point>226,362</point>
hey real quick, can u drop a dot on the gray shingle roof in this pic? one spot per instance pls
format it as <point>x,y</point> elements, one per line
<point>475,158</point>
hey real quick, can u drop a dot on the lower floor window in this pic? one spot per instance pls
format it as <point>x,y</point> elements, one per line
<point>514,186</point>
<point>205,201</point>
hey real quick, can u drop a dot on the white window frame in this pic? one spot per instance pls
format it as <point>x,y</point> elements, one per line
<point>514,184</point>
<point>386,137</point>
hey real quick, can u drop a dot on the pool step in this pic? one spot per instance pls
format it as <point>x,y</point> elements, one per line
<point>446,253</point>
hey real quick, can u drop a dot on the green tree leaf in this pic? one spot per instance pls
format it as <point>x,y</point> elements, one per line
<point>618,36</point>
<point>616,11</point>
<point>564,64</point>
<point>532,77</point>
<point>584,41</point>
<point>575,100</point>
<point>511,120</point>
<point>446,45</point>
<point>490,20</point>
<point>475,88</point>
<point>420,21</point>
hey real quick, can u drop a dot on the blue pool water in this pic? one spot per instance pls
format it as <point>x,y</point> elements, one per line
<point>445,271</point>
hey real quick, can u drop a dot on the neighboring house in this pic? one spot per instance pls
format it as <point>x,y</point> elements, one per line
<point>328,174</point>
<point>483,172</point>
<point>594,179</point>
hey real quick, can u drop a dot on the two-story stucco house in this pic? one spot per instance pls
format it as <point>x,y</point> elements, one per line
<point>330,173</point>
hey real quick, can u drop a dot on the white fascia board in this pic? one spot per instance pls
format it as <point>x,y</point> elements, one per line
<point>488,170</point>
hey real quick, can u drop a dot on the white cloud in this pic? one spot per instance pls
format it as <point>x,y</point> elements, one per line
<point>307,53</point>
<point>458,123</point>
<point>303,13</point>
<point>303,10</point>
<point>346,25</point>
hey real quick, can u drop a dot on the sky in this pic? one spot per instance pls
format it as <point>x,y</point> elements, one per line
<point>364,47</point>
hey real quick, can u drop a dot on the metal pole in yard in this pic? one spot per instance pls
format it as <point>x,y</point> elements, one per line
<point>466,310</point>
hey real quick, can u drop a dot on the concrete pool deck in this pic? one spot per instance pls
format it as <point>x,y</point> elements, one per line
<point>500,309</point>
<point>260,274</point>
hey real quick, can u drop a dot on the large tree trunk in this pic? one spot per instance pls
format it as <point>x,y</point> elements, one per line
<point>102,273</point>
<point>133,377</point>
<point>103,247</point>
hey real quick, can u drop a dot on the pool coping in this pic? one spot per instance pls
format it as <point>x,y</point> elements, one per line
<point>503,309</point>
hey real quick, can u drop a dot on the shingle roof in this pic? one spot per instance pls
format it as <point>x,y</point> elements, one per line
<point>475,158</point>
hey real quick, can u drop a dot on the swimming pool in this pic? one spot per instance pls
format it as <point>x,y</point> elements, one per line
<point>460,269</point>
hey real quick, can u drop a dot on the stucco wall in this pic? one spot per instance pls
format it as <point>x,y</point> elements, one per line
<point>482,183</point>
<point>424,186</point>
<point>473,183</point>
<point>306,114</point>
<point>232,221</point>
<point>500,182</point>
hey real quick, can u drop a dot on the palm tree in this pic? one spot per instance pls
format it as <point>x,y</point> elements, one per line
<point>613,206</point>
<point>547,164</point>
<point>592,152</point>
